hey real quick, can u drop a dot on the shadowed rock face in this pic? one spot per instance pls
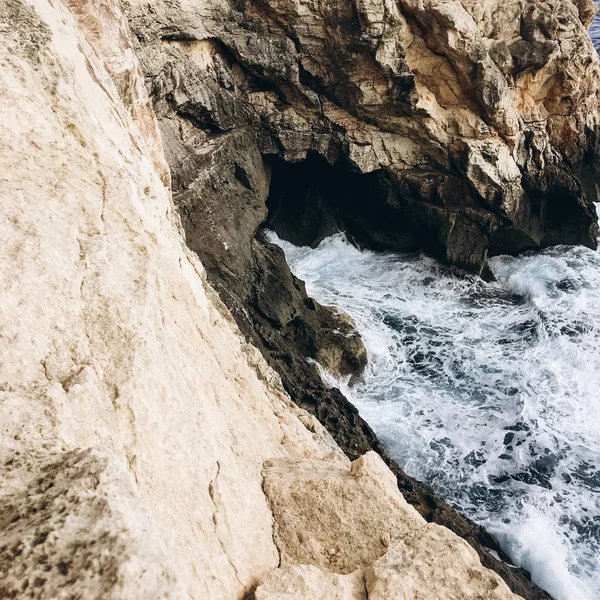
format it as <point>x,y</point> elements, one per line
<point>462,128</point>
<point>311,200</point>
<point>481,117</point>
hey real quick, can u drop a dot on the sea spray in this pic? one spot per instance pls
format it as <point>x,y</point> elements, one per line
<point>490,392</point>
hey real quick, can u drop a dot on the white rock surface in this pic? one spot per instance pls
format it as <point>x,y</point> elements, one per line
<point>110,336</point>
<point>432,563</point>
<point>134,420</point>
<point>306,581</point>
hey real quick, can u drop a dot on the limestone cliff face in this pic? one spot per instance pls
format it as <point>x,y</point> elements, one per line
<point>146,450</point>
<point>457,127</point>
<point>474,123</point>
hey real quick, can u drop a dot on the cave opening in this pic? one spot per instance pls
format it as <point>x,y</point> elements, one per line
<point>311,200</point>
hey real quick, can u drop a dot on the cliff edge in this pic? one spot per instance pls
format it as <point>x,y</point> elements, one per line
<point>459,128</point>
<point>147,450</point>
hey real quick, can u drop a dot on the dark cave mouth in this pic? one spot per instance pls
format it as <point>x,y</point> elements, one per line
<point>311,200</point>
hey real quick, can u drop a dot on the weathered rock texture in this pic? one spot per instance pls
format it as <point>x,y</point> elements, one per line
<point>478,121</point>
<point>362,552</point>
<point>145,448</point>
<point>457,127</point>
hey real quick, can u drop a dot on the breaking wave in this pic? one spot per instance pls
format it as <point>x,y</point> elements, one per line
<point>489,392</point>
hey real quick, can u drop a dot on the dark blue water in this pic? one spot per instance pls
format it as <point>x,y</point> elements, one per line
<point>595,32</point>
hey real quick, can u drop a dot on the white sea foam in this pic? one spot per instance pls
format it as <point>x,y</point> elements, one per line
<point>489,392</point>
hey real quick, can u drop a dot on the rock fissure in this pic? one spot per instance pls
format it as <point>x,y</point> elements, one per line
<point>273,523</point>
<point>213,494</point>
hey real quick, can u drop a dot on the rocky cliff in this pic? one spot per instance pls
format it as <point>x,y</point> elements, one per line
<point>455,127</point>
<point>147,451</point>
<point>474,125</point>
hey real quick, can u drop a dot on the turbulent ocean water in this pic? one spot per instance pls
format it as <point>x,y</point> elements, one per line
<point>595,32</point>
<point>490,392</point>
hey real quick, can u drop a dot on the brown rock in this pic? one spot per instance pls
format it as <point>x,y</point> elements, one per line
<point>337,517</point>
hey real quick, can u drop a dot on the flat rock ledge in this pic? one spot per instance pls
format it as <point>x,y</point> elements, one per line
<point>336,542</point>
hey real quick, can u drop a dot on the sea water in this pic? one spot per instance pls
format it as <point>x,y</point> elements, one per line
<point>595,32</point>
<point>489,392</point>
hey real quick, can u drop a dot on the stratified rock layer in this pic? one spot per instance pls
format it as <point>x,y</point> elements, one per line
<point>144,446</point>
<point>478,120</point>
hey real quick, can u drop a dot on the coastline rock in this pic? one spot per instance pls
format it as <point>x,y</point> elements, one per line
<point>305,581</point>
<point>329,515</point>
<point>136,422</point>
<point>410,566</point>
<point>115,346</point>
<point>336,543</point>
<point>460,128</point>
<point>448,105</point>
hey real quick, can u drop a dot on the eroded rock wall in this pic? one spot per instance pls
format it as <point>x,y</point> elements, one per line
<point>135,419</point>
<point>481,118</point>
<point>145,448</point>
<point>457,127</point>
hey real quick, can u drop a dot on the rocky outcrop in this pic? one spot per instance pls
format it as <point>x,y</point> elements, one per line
<point>135,419</point>
<point>478,121</point>
<point>146,449</point>
<point>373,553</point>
